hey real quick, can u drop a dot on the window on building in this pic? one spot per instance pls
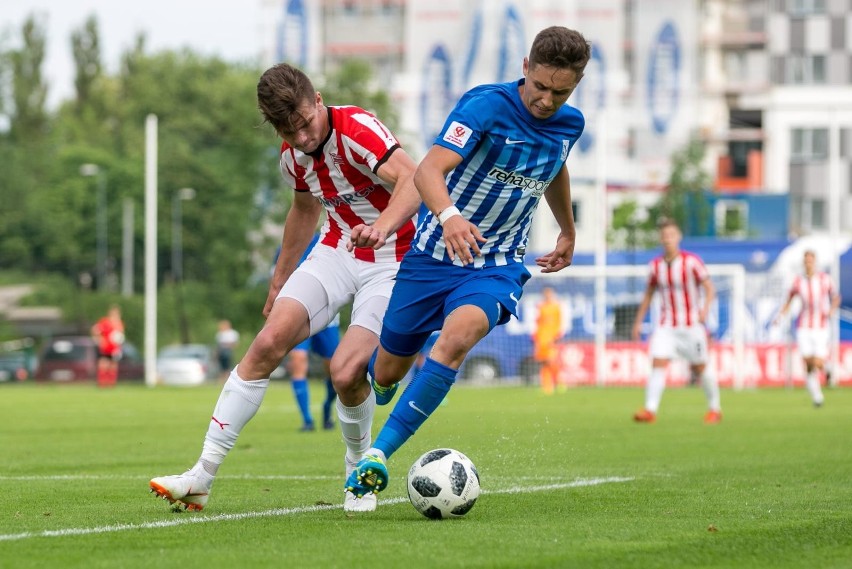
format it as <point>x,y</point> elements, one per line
<point>736,66</point>
<point>818,213</point>
<point>575,209</point>
<point>846,142</point>
<point>805,7</point>
<point>849,178</point>
<point>809,144</point>
<point>805,69</point>
<point>731,217</point>
<point>739,150</point>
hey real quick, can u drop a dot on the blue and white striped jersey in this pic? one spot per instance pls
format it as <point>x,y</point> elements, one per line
<point>509,159</point>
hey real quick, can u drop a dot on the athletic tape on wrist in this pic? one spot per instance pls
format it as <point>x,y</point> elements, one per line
<point>447,213</point>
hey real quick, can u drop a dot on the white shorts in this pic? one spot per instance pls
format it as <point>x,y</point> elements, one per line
<point>812,342</point>
<point>686,342</point>
<point>330,278</point>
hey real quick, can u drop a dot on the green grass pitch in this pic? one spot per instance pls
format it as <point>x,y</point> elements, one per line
<point>568,481</point>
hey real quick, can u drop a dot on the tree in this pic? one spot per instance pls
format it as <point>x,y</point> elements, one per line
<point>351,84</point>
<point>85,45</point>
<point>29,91</point>
<point>684,200</point>
<point>24,163</point>
<point>631,228</point>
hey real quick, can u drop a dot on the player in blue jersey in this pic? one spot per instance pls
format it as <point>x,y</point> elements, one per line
<point>502,148</point>
<point>323,343</point>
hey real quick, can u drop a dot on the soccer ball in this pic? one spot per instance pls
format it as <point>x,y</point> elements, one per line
<point>443,483</point>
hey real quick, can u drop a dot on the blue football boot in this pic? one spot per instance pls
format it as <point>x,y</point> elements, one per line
<point>369,477</point>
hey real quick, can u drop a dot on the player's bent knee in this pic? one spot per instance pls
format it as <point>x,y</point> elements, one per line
<point>452,347</point>
<point>391,369</point>
<point>346,375</point>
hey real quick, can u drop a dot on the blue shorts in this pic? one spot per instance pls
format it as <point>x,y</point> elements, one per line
<point>323,343</point>
<point>427,290</point>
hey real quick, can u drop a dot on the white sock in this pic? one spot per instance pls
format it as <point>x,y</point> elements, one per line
<point>654,389</point>
<point>237,404</point>
<point>356,424</point>
<point>377,452</point>
<point>812,384</point>
<point>711,390</point>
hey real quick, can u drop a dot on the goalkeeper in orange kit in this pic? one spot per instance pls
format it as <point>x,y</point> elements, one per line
<point>548,329</point>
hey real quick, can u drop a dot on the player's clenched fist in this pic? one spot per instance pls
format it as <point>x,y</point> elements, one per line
<point>366,236</point>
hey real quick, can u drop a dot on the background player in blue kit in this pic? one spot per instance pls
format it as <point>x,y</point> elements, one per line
<point>502,148</point>
<point>323,343</point>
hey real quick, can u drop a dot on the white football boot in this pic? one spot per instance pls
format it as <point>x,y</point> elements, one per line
<point>190,489</point>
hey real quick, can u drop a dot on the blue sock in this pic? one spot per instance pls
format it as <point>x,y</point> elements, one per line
<point>330,396</point>
<point>300,390</point>
<point>417,402</point>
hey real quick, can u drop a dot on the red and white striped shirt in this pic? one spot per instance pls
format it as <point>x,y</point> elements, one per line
<point>679,285</point>
<point>341,174</point>
<point>815,293</point>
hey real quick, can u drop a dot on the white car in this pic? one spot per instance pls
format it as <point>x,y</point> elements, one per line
<point>186,364</point>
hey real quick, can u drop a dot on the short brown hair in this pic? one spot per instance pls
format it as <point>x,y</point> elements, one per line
<point>281,91</point>
<point>664,222</point>
<point>561,47</point>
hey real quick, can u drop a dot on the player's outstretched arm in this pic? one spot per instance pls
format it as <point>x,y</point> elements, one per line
<point>784,309</point>
<point>461,238</point>
<point>299,229</point>
<point>709,296</point>
<point>642,310</point>
<point>558,196</point>
<point>398,170</point>
<point>835,302</point>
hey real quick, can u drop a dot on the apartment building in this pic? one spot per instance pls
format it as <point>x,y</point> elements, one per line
<point>767,84</point>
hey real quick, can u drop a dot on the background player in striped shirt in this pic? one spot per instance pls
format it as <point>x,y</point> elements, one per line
<point>680,278</point>
<point>502,148</point>
<point>819,302</point>
<point>345,161</point>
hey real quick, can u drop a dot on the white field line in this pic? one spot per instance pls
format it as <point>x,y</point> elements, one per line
<point>36,478</point>
<point>202,519</point>
<point>66,477</point>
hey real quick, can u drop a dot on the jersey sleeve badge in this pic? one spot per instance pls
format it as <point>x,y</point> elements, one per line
<point>457,134</point>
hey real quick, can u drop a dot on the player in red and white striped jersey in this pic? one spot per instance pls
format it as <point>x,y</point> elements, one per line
<point>344,178</point>
<point>819,301</point>
<point>686,293</point>
<point>344,161</point>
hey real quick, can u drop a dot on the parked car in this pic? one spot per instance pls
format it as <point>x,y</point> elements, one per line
<point>186,364</point>
<point>75,358</point>
<point>18,365</point>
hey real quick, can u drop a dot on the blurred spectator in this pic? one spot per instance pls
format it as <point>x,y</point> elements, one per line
<point>108,334</point>
<point>226,340</point>
<point>548,329</point>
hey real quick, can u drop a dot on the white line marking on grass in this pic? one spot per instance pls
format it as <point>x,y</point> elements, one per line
<point>64,477</point>
<point>35,478</point>
<point>202,519</point>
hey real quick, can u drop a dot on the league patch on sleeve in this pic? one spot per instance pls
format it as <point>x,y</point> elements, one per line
<point>457,134</point>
